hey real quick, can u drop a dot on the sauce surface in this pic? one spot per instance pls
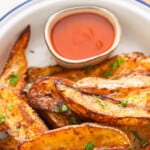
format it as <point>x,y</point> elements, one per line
<point>82,35</point>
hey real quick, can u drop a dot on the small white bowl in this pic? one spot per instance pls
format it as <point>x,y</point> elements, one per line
<point>71,63</point>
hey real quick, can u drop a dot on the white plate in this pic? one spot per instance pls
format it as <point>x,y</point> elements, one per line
<point>135,23</point>
<point>134,19</point>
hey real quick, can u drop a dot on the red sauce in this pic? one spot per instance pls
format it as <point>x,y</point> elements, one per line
<point>82,35</point>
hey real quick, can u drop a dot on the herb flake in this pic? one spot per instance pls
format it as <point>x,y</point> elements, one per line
<point>101,102</point>
<point>142,141</point>
<point>2,118</point>
<point>56,110</point>
<point>13,80</point>
<point>72,120</point>
<point>89,146</point>
<point>107,73</point>
<point>64,108</point>
<point>10,107</point>
<point>116,64</point>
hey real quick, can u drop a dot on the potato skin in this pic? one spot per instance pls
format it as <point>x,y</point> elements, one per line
<point>104,110</point>
<point>44,97</point>
<point>77,137</point>
<point>132,64</point>
<point>19,119</point>
<point>17,63</point>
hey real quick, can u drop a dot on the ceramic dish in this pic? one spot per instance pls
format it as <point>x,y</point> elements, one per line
<point>79,63</point>
<point>135,32</point>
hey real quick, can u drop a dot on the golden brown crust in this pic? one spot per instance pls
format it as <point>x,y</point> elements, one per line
<point>77,137</point>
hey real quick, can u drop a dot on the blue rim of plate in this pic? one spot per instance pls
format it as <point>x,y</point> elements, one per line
<point>144,2</point>
<point>14,9</point>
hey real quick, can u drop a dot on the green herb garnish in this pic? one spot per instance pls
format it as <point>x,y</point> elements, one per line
<point>114,65</point>
<point>88,68</point>
<point>123,103</point>
<point>17,129</point>
<point>89,146</point>
<point>101,102</point>
<point>10,107</point>
<point>13,80</point>
<point>107,73</point>
<point>30,70</point>
<point>72,120</point>
<point>64,108</point>
<point>142,141</point>
<point>2,118</point>
<point>56,110</point>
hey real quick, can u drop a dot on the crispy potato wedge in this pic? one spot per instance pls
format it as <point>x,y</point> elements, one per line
<point>13,74</point>
<point>16,66</point>
<point>117,89</point>
<point>21,121</point>
<point>78,137</point>
<point>116,67</point>
<point>8,143</point>
<point>138,135</point>
<point>102,108</point>
<point>44,97</point>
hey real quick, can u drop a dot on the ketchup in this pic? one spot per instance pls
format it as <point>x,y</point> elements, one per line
<point>83,35</point>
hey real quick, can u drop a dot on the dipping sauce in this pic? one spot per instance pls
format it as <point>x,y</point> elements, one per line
<point>82,36</point>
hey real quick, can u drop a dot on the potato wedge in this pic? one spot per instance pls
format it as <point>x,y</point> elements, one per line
<point>44,97</point>
<point>13,74</point>
<point>117,89</point>
<point>8,143</point>
<point>102,108</point>
<point>116,67</point>
<point>21,121</point>
<point>78,137</point>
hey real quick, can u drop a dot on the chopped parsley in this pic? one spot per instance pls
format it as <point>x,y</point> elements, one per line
<point>101,102</point>
<point>17,129</point>
<point>89,146</point>
<point>56,110</point>
<point>13,80</point>
<point>2,118</point>
<point>116,64</point>
<point>113,66</point>
<point>123,103</point>
<point>142,141</point>
<point>10,107</point>
<point>30,70</point>
<point>64,108</point>
<point>107,73</point>
<point>72,120</point>
<point>88,68</point>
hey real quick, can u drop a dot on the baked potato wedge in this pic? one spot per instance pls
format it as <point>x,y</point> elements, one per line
<point>21,121</point>
<point>116,67</point>
<point>13,74</point>
<point>107,109</point>
<point>8,143</point>
<point>44,97</point>
<point>79,137</point>
<point>114,88</point>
